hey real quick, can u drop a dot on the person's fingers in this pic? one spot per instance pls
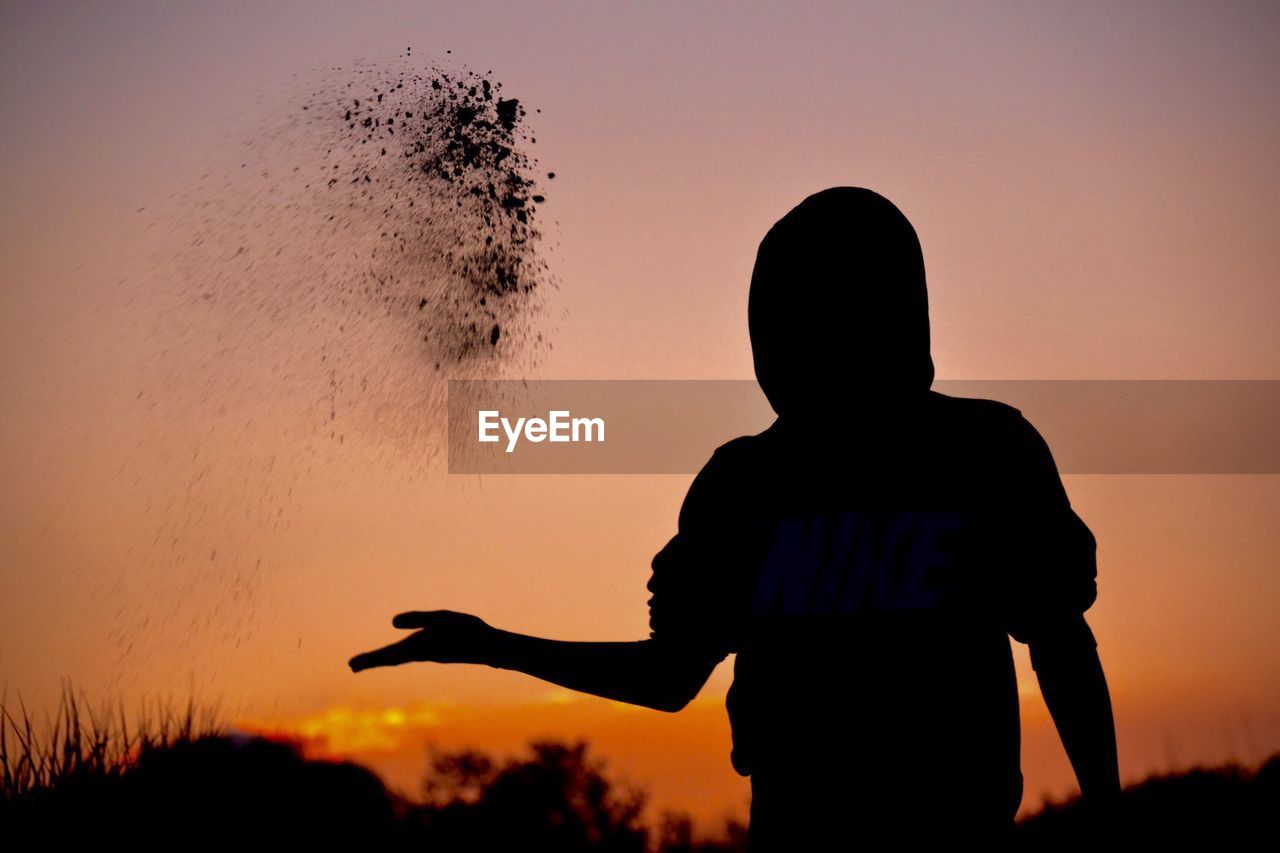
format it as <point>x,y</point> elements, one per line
<point>392,655</point>
<point>417,618</point>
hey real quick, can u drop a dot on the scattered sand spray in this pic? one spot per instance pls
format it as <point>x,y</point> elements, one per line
<point>379,233</point>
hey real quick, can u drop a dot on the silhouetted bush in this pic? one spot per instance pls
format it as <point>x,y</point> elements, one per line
<point>1221,808</point>
<point>171,781</point>
<point>175,777</point>
<point>556,799</point>
<point>677,834</point>
<point>215,788</point>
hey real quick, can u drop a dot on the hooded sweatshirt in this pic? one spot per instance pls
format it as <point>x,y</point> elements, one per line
<point>869,555</point>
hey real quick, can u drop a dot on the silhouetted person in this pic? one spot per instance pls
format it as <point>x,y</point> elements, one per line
<point>867,558</point>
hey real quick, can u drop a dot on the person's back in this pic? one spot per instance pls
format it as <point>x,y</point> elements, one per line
<point>868,588</point>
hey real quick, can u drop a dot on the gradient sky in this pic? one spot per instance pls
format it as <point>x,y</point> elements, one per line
<point>1095,187</point>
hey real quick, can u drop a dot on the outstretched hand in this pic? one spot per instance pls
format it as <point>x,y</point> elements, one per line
<point>443,636</point>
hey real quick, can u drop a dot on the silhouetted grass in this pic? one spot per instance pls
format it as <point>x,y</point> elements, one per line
<point>78,744</point>
<point>171,776</point>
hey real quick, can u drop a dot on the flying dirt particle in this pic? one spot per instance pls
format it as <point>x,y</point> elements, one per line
<point>508,112</point>
<point>493,336</point>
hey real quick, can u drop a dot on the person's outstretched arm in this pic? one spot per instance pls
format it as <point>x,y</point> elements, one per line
<point>651,673</point>
<point>1075,690</point>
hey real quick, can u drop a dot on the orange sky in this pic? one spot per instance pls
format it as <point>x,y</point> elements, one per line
<point>1095,189</point>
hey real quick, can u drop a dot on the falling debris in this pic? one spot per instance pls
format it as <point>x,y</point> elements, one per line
<point>388,227</point>
<point>457,199</point>
<point>376,233</point>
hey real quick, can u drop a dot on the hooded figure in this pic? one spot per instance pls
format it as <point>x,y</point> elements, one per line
<point>867,558</point>
<point>838,305</point>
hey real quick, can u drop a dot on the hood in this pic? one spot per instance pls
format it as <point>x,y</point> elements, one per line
<point>838,312</point>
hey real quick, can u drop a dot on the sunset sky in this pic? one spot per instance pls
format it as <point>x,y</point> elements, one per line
<point>1097,193</point>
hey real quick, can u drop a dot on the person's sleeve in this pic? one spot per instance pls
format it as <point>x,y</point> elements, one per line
<point>1048,553</point>
<point>691,583</point>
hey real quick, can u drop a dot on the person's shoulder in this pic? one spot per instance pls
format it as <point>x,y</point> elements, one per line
<point>749,448</point>
<point>998,429</point>
<point>741,448</point>
<point>985,412</point>
<point>733,462</point>
<point>721,482</point>
<point>992,418</point>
